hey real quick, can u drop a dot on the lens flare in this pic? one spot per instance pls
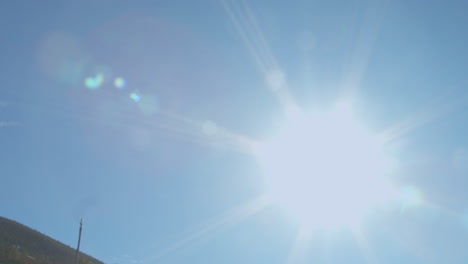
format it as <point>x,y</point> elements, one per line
<point>135,96</point>
<point>411,197</point>
<point>148,104</point>
<point>61,56</point>
<point>119,83</point>
<point>93,83</point>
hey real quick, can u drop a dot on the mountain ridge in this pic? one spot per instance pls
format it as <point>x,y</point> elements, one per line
<point>20,244</point>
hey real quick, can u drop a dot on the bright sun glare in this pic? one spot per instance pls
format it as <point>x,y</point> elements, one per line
<point>325,169</point>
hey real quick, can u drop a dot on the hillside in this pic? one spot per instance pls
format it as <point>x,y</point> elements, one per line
<point>20,244</point>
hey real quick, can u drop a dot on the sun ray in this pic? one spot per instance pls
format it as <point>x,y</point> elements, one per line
<point>300,245</point>
<point>246,24</point>
<point>261,40</point>
<point>359,58</point>
<point>167,122</point>
<point>208,129</point>
<point>365,246</point>
<point>243,31</point>
<point>414,245</point>
<point>426,115</point>
<point>426,203</point>
<point>216,227</point>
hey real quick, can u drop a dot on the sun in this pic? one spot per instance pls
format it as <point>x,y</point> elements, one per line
<point>324,169</point>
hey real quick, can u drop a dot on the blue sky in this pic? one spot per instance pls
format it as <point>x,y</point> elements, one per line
<point>134,115</point>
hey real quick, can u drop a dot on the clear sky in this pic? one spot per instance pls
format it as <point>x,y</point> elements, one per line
<point>145,117</point>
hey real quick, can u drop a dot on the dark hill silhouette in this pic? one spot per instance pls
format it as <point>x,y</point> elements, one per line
<point>20,244</point>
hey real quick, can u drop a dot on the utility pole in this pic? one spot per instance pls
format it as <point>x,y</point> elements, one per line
<point>79,240</point>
